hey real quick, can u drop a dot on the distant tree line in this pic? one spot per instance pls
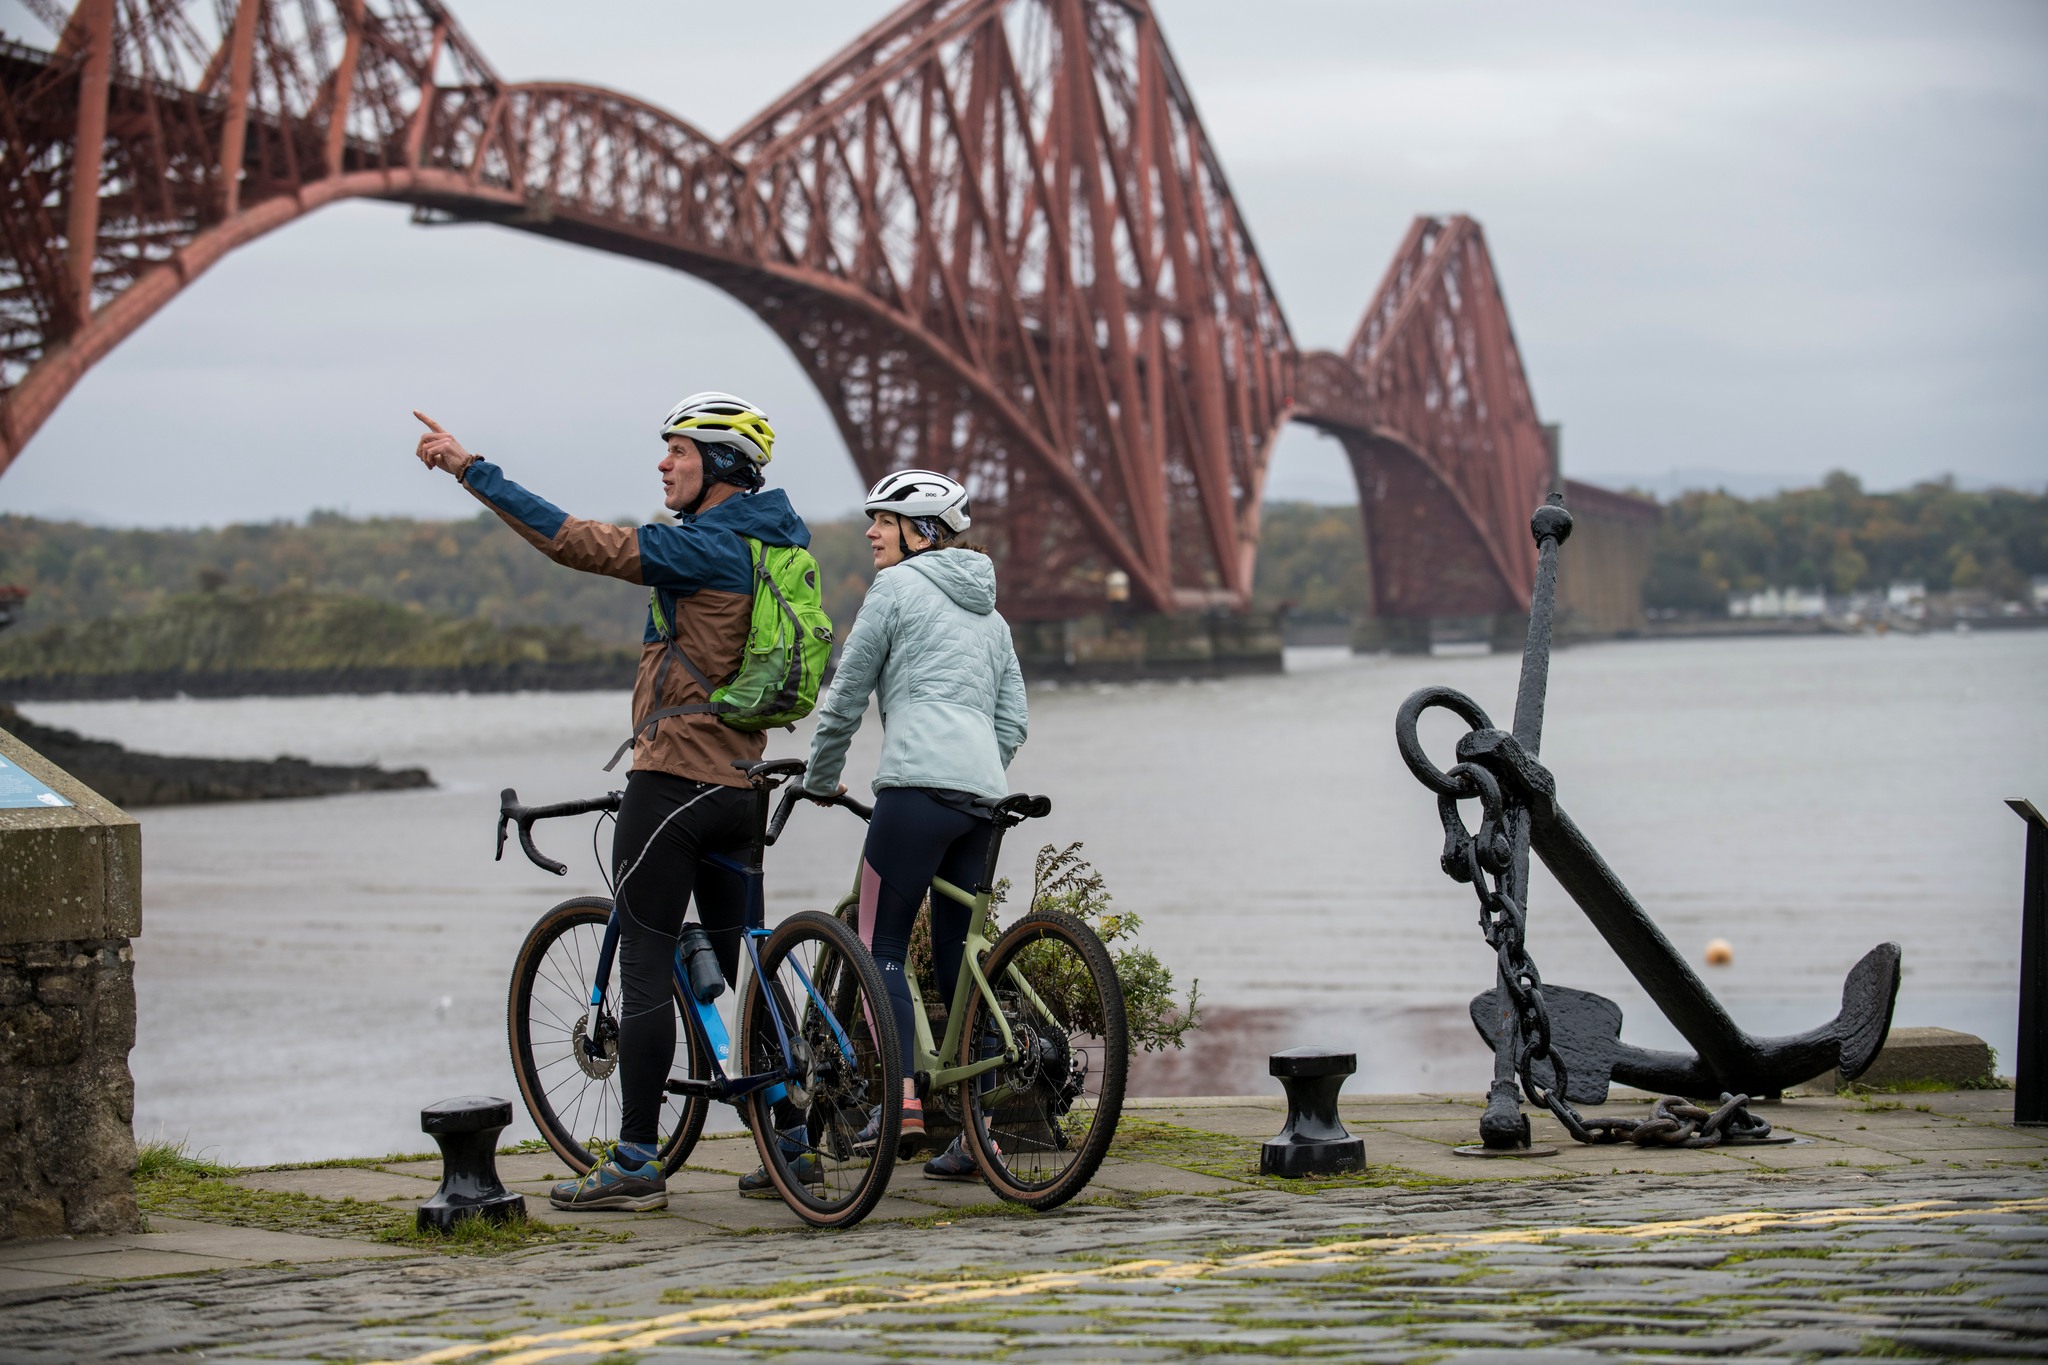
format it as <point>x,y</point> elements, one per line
<point>471,570</point>
<point>1841,539</point>
<point>1837,537</point>
<point>1311,558</point>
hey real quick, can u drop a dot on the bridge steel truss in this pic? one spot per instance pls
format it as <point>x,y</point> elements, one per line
<point>992,231</point>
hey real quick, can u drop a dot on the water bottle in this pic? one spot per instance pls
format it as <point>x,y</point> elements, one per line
<point>700,964</point>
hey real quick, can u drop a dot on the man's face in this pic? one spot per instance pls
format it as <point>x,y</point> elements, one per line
<point>682,473</point>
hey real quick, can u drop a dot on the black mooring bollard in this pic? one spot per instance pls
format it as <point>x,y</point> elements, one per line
<point>1314,1141</point>
<point>467,1129</point>
<point>2030,1067</point>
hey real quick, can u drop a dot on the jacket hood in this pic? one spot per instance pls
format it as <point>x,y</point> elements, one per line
<point>969,578</point>
<point>766,516</point>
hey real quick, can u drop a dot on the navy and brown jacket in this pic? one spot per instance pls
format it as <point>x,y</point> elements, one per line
<point>704,573</point>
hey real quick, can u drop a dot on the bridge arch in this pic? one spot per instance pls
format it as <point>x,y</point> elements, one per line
<point>992,232</point>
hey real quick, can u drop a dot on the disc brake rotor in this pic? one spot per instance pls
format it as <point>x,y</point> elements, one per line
<point>606,1060</point>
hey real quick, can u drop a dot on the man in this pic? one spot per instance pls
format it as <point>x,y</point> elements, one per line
<point>684,799</point>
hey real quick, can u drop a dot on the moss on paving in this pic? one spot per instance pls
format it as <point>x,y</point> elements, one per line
<point>1235,1158</point>
<point>169,1183</point>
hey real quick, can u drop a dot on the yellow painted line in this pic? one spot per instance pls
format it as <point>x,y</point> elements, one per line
<point>720,1321</point>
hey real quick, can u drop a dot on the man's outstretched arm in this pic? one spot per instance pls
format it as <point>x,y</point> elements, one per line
<point>591,546</point>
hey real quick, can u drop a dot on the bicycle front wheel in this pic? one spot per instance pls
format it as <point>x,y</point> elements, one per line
<point>818,1017</point>
<point>568,1072</point>
<point>1040,1126</point>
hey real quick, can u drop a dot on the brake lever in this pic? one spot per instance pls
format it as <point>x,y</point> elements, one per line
<point>508,801</point>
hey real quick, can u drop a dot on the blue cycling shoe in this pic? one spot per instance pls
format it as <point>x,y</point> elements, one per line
<point>610,1185</point>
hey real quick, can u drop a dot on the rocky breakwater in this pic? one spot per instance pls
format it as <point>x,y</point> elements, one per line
<point>70,901</point>
<point>129,778</point>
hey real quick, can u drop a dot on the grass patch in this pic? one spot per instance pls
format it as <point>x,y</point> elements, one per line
<point>1810,1253</point>
<point>172,1183</point>
<point>781,1289</point>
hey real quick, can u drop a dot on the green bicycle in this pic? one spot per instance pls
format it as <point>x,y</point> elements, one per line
<point>1030,1066</point>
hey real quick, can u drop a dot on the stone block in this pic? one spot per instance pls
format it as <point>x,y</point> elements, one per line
<point>1922,1056</point>
<point>67,872</point>
<point>70,900</point>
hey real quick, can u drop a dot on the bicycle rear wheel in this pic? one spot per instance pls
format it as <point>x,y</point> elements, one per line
<point>570,1089</point>
<point>1040,1126</point>
<point>841,1064</point>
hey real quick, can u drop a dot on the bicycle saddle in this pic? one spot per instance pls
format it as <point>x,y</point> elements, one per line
<point>1014,809</point>
<point>774,767</point>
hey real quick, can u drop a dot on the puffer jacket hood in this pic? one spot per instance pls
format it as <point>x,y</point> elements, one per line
<point>969,578</point>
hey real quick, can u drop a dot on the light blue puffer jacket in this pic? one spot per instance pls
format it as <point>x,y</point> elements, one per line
<point>952,696</point>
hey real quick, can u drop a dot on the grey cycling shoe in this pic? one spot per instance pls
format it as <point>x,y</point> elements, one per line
<point>759,1186</point>
<point>805,1167</point>
<point>952,1164</point>
<point>608,1185</point>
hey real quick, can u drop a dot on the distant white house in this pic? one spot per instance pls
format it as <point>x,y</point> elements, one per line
<point>1908,599</point>
<point>1779,604</point>
<point>2041,592</point>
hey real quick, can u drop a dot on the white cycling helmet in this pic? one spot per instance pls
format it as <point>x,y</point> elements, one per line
<point>921,495</point>
<point>721,419</point>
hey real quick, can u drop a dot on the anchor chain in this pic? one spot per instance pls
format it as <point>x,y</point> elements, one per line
<point>1485,861</point>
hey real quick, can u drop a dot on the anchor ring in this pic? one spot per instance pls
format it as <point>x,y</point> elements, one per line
<point>1412,752</point>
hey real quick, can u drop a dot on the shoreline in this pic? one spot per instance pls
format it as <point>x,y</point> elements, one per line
<point>132,779</point>
<point>581,676</point>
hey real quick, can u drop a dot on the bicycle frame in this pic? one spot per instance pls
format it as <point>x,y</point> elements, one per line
<point>707,1030</point>
<point>926,1057</point>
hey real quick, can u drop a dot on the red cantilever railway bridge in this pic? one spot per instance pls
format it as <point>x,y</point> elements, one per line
<point>992,231</point>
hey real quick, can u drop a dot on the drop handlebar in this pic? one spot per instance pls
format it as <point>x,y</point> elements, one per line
<point>511,812</point>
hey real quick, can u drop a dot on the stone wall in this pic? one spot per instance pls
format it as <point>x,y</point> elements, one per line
<point>70,901</point>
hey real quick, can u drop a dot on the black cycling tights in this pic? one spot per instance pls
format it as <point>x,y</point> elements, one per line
<point>666,826</point>
<point>913,838</point>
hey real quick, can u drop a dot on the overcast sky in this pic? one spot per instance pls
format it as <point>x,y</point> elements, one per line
<point>1749,242</point>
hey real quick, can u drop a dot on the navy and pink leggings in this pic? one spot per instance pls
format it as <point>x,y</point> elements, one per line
<point>913,837</point>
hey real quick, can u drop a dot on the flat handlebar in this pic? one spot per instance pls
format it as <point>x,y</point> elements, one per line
<point>510,811</point>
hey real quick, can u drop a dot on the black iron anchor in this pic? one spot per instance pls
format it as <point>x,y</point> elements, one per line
<point>1565,1045</point>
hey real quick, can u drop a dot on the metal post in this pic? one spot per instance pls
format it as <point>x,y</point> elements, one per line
<point>1503,1127</point>
<point>92,25</point>
<point>2030,1067</point>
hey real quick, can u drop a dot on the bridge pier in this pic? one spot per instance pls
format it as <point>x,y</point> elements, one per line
<point>1502,631</point>
<point>1126,646</point>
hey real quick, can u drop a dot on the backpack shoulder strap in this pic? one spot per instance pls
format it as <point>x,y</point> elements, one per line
<point>672,652</point>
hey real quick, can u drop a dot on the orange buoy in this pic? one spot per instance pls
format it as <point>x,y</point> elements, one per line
<point>1719,953</point>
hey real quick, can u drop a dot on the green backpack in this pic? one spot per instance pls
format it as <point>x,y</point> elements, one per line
<point>782,664</point>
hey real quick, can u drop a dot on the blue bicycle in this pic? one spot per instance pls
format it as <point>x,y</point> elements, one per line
<point>814,1059</point>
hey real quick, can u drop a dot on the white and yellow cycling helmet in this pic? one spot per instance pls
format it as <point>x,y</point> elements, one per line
<point>713,418</point>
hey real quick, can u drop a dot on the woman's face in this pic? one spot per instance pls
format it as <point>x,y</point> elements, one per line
<point>883,539</point>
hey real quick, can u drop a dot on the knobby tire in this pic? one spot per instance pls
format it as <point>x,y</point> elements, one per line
<point>846,977</point>
<point>1020,1123</point>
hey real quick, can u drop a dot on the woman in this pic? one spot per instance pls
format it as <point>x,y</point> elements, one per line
<point>953,713</point>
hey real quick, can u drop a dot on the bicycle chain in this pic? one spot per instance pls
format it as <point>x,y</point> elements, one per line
<point>1485,861</point>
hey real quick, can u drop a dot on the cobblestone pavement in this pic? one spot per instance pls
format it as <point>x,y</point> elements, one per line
<point>1641,1256</point>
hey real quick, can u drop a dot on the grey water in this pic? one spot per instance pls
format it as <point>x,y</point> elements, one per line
<point>311,972</point>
